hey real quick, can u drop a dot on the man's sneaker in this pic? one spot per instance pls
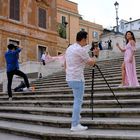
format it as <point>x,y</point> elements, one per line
<point>121,85</point>
<point>10,99</point>
<point>79,127</point>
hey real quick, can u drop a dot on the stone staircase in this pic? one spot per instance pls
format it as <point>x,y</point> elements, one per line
<point>46,112</point>
<point>1,88</point>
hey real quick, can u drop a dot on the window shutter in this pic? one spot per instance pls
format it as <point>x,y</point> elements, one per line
<point>14,9</point>
<point>17,11</point>
<point>63,20</point>
<point>42,18</point>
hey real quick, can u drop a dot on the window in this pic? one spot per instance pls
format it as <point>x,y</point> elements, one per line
<point>95,34</point>
<point>59,53</point>
<point>15,9</point>
<point>122,26</point>
<point>63,20</point>
<point>42,18</point>
<point>15,42</point>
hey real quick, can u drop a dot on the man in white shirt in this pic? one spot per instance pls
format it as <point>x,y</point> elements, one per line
<point>76,58</point>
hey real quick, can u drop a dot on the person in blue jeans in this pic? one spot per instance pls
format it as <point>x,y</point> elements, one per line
<point>12,65</point>
<point>76,57</point>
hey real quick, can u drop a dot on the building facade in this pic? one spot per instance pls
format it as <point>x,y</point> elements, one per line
<point>124,26</point>
<point>69,17</point>
<point>68,22</point>
<point>129,25</point>
<point>41,25</point>
<point>29,23</point>
<point>94,30</point>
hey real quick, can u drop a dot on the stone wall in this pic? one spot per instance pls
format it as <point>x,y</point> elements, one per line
<point>27,30</point>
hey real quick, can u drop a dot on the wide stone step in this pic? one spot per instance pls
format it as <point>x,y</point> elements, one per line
<point>65,122</point>
<point>8,136</point>
<point>65,103</point>
<point>45,132</point>
<point>66,112</point>
<point>88,80</point>
<point>108,75</point>
<point>68,96</point>
<point>99,82</point>
<point>66,90</point>
<point>100,88</point>
<point>45,87</point>
<point>88,75</point>
<point>106,72</point>
<point>113,82</point>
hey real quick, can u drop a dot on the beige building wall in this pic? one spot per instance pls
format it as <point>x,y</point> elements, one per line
<point>74,28</point>
<point>26,30</point>
<point>30,35</point>
<point>91,28</point>
<point>69,10</point>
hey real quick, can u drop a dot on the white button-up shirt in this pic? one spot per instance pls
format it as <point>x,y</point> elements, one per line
<point>76,58</point>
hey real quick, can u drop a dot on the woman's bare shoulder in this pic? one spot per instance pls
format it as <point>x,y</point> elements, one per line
<point>132,43</point>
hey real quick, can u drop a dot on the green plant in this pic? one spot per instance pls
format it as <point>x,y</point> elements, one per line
<point>61,30</point>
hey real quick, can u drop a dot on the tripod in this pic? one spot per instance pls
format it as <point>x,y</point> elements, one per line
<point>92,88</point>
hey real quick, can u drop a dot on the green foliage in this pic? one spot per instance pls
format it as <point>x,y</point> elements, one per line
<point>61,30</point>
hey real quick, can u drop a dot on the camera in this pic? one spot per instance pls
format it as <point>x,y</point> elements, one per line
<point>12,46</point>
<point>15,47</point>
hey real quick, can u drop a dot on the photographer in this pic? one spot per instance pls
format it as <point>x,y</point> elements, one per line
<point>75,59</point>
<point>12,56</point>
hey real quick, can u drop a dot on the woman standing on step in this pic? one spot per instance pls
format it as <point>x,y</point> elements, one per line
<point>129,76</point>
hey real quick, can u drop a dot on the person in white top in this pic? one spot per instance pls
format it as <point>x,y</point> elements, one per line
<point>75,59</point>
<point>43,58</point>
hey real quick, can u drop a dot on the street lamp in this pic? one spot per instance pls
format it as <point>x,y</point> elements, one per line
<point>130,22</point>
<point>117,18</point>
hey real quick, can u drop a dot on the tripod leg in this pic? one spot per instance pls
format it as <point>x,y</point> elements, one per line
<point>92,91</point>
<point>108,85</point>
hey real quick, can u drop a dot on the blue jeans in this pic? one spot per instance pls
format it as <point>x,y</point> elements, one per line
<point>78,88</point>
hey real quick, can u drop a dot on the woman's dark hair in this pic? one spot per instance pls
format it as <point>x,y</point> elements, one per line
<point>133,37</point>
<point>81,35</point>
<point>93,45</point>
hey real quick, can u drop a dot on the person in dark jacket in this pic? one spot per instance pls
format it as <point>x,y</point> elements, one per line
<point>12,65</point>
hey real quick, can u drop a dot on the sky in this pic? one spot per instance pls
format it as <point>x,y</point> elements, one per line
<point>103,11</point>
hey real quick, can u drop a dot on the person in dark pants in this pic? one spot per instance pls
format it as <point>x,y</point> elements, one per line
<point>11,57</point>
